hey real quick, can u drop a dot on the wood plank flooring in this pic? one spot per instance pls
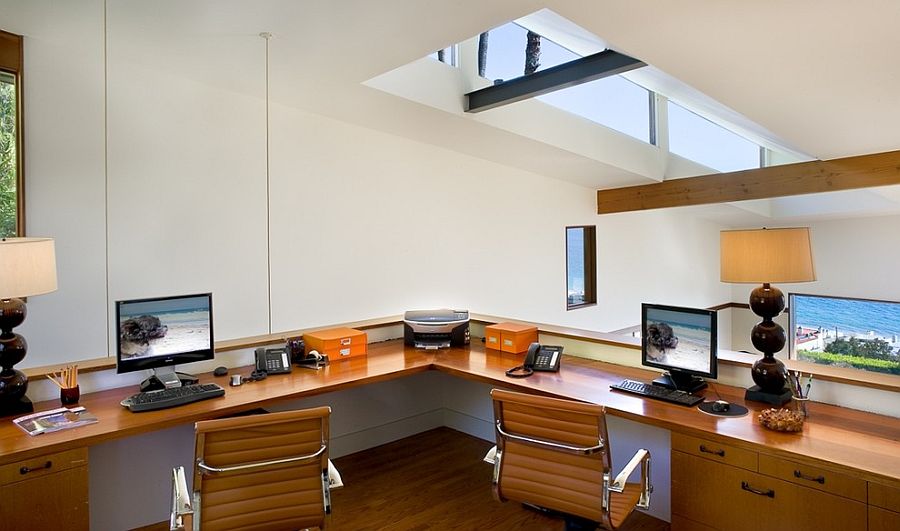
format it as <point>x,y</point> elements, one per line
<point>434,481</point>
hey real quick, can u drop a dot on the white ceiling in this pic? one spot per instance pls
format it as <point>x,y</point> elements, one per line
<point>822,75</point>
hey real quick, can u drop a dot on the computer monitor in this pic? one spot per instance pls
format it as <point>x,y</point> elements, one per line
<point>162,332</point>
<point>682,341</point>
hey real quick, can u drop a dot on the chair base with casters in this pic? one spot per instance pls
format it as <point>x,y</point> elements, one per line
<point>554,454</point>
<point>268,471</point>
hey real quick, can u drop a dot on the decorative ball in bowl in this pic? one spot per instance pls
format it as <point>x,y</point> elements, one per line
<point>781,419</point>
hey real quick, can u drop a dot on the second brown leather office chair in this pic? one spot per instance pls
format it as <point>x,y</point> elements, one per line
<point>267,471</point>
<point>555,454</point>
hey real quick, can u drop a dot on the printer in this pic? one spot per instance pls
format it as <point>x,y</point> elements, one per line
<point>433,329</point>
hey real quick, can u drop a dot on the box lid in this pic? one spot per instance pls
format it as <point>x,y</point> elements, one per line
<point>334,333</point>
<point>512,327</point>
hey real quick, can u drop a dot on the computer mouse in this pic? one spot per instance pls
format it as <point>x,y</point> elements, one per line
<point>721,406</point>
<point>220,371</point>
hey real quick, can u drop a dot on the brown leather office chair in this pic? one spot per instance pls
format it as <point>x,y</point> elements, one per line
<point>267,471</point>
<point>555,454</point>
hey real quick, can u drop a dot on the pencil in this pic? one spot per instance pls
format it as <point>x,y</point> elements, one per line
<point>52,379</point>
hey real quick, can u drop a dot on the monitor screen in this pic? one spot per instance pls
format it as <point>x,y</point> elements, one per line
<point>680,340</point>
<point>163,331</point>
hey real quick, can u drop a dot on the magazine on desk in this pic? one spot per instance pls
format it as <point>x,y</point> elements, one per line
<point>54,420</point>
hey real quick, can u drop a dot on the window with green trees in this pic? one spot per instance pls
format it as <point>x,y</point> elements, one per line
<point>8,155</point>
<point>11,223</point>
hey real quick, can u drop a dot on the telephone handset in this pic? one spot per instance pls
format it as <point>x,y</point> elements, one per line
<point>538,358</point>
<point>272,360</point>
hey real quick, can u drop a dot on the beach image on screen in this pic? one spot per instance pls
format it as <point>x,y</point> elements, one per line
<point>164,327</point>
<point>679,339</point>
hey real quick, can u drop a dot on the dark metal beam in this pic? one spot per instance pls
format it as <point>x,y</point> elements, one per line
<point>583,70</point>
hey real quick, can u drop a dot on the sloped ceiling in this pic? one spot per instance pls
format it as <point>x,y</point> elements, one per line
<point>822,75</point>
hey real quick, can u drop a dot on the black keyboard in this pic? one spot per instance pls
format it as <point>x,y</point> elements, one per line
<point>657,392</point>
<point>175,396</point>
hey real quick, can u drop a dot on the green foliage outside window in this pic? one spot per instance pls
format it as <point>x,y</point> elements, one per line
<point>7,159</point>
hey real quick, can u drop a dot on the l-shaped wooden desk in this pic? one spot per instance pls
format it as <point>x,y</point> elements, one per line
<point>841,472</point>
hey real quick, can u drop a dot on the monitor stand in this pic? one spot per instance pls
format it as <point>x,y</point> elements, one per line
<point>681,381</point>
<point>166,377</point>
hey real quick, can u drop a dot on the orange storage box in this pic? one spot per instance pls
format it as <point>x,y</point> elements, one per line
<point>336,343</point>
<point>510,337</point>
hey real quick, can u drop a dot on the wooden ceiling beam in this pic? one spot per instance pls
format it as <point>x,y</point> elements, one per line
<point>863,171</point>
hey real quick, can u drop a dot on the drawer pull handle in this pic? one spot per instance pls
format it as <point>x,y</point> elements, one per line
<point>746,486</point>
<point>24,470</point>
<point>704,449</point>
<point>801,475</point>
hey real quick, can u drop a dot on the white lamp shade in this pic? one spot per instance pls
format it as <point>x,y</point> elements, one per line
<point>27,267</point>
<point>761,256</point>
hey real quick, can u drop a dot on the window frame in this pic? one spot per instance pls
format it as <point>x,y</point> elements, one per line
<point>12,60</point>
<point>589,241</point>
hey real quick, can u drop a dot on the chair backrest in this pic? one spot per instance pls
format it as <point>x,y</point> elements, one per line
<point>553,453</point>
<point>266,471</point>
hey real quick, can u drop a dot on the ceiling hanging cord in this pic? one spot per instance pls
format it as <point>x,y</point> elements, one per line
<point>267,36</point>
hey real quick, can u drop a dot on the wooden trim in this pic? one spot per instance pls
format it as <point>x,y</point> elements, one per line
<point>872,380</point>
<point>863,171</point>
<point>727,305</point>
<point>109,362</point>
<point>10,52</point>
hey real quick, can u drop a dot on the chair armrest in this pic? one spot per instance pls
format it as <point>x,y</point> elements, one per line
<point>181,500</point>
<point>641,457</point>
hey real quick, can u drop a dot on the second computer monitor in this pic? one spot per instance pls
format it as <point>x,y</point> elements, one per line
<point>682,341</point>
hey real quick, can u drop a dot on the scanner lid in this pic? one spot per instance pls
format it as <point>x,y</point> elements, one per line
<point>436,316</point>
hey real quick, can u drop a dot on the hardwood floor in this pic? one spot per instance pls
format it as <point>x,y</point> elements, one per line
<point>434,481</point>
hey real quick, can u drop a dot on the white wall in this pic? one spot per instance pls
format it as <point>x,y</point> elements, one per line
<point>148,164</point>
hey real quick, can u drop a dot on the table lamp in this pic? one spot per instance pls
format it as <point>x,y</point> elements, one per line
<point>27,267</point>
<point>765,256</point>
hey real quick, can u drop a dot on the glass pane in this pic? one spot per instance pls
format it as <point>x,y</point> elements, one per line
<point>858,333</point>
<point>696,138</point>
<point>575,266</point>
<point>8,155</point>
<point>613,101</point>
<point>445,56</point>
<point>506,53</point>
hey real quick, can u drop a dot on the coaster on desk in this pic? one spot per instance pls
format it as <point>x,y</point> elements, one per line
<point>734,410</point>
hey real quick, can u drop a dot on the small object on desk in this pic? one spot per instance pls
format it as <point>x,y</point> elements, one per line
<point>69,395</point>
<point>54,420</point>
<point>657,392</point>
<point>236,380</point>
<point>173,396</point>
<point>716,409</point>
<point>781,420</point>
<point>220,371</point>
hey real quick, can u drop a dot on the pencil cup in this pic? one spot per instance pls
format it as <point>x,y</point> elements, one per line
<point>69,395</point>
<point>799,405</point>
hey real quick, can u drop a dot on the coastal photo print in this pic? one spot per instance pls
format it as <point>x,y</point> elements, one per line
<point>679,338</point>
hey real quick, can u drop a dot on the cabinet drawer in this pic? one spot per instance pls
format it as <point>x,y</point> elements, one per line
<point>813,477</point>
<point>884,497</point>
<point>714,451</point>
<point>732,499</point>
<point>42,465</point>
<point>882,520</point>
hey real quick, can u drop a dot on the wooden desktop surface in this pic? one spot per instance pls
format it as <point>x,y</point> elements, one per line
<point>864,444</point>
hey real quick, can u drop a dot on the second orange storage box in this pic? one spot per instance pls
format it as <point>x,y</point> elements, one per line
<point>510,337</point>
<point>336,343</point>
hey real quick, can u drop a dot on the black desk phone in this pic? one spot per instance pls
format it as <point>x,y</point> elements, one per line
<point>272,360</point>
<point>538,358</point>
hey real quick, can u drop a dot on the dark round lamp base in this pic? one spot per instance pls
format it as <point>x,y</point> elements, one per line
<point>768,374</point>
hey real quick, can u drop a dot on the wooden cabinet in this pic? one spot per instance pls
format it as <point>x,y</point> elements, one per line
<point>46,492</point>
<point>884,507</point>
<point>716,486</point>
